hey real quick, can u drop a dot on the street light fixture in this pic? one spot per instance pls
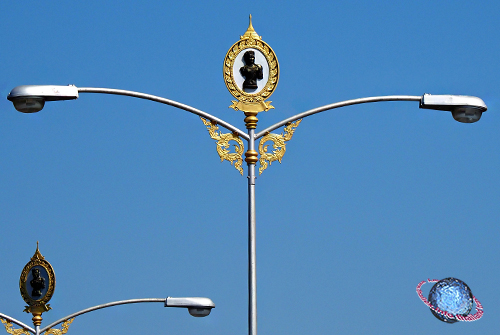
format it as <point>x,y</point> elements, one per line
<point>31,99</point>
<point>37,284</point>
<point>197,307</point>
<point>251,74</point>
<point>464,108</point>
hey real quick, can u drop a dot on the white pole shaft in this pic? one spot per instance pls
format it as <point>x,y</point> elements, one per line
<point>252,256</point>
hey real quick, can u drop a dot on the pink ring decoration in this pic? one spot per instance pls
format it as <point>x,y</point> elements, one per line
<point>471,317</point>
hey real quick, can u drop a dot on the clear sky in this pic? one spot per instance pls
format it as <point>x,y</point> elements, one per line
<point>129,199</point>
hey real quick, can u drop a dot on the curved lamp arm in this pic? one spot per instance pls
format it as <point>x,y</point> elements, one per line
<point>336,105</point>
<point>19,323</point>
<point>465,109</point>
<point>166,102</point>
<point>109,304</point>
<point>31,99</point>
<point>190,303</point>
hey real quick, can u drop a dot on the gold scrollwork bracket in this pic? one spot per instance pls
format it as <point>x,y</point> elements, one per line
<point>62,331</point>
<point>235,158</point>
<point>10,328</point>
<point>279,145</point>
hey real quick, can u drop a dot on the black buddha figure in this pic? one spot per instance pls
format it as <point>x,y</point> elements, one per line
<point>251,71</point>
<point>37,283</point>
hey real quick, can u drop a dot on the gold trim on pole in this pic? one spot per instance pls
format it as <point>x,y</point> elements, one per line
<point>9,327</point>
<point>223,144</point>
<point>279,145</point>
<point>62,331</point>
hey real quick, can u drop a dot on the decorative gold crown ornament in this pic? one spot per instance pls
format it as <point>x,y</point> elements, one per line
<point>37,284</point>
<point>251,72</point>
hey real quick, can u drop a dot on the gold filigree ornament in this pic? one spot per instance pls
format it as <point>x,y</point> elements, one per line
<point>251,99</point>
<point>10,328</point>
<point>223,145</point>
<point>279,145</point>
<point>37,284</point>
<point>62,331</point>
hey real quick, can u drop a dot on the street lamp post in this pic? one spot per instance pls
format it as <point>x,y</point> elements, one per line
<point>251,74</point>
<point>37,284</point>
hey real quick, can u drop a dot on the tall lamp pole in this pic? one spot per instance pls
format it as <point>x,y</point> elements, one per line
<point>251,74</point>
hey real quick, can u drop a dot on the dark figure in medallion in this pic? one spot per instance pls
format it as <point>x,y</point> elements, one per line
<point>251,71</point>
<point>37,283</point>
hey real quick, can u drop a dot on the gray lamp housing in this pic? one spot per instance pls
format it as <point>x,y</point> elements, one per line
<point>464,108</point>
<point>197,306</point>
<point>31,98</point>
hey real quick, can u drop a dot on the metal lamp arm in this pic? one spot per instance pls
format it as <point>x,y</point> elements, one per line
<point>337,105</point>
<point>19,323</point>
<point>166,102</point>
<point>87,310</point>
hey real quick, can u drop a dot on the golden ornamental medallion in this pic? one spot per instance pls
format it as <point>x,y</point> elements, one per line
<point>251,72</point>
<point>37,284</point>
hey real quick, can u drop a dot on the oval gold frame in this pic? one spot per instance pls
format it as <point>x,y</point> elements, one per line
<point>272,61</point>
<point>37,260</point>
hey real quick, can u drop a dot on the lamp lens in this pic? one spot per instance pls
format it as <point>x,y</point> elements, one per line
<point>29,105</point>
<point>466,115</point>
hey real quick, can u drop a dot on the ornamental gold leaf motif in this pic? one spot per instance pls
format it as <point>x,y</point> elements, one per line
<point>10,328</point>
<point>223,145</point>
<point>62,331</point>
<point>279,145</point>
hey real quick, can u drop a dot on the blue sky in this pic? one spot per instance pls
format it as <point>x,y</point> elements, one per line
<point>129,199</point>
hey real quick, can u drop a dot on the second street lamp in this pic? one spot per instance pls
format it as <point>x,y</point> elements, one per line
<point>251,73</point>
<point>37,285</point>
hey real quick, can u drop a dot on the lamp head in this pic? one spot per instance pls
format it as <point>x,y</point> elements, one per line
<point>465,109</point>
<point>31,98</point>
<point>197,307</point>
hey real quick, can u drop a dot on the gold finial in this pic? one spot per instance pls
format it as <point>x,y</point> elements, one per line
<point>38,254</point>
<point>250,33</point>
